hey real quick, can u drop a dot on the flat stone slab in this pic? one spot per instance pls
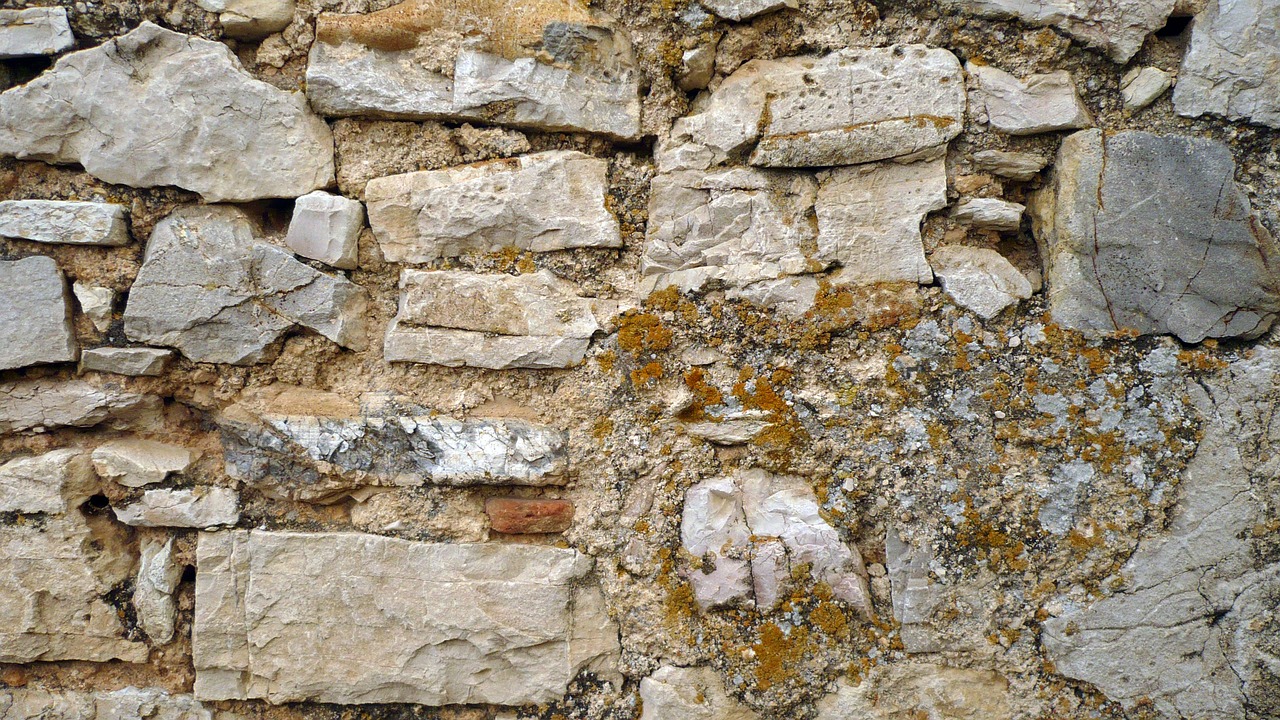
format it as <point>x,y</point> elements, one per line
<point>1039,104</point>
<point>455,318</point>
<point>31,404</point>
<point>238,138</point>
<point>126,361</point>
<point>38,703</point>
<point>35,314</point>
<point>1150,233</point>
<point>1117,27</point>
<point>41,483</point>
<point>64,221</point>
<point>1232,67</point>
<point>310,617</point>
<point>547,201</point>
<point>34,31</point>
<point>135,462</point>
<point>199,507</point>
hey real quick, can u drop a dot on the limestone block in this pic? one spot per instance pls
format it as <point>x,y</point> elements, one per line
<point>979,279</point>
<point>237,138</point>
<point>739,10</point>
<point>1232,67</point>
<point>547,201</point>
<point>134,462</point>
<point>1013,165</point>
<point>251,19</point>
<point>158,577</point>
<point>922,690</point>
<point>455,318</point>
<point>528,515</point>
<point>35,315</point>
<point>544,65</point>
<point>697,66</point>
<point>34,31</point>
<point>96,303</point>
<point>130,703</point>
<point>41,483</point>
<point>210,289</point>
<point>467,623</point>
<point>1142,85</point>
<point>689,693</point>
<point>1117,27</point>
<point>126,361</point>
<point>199,507</point>
<point>28,404</point>
<point>62,221</point>
<point>1151,233</point>
<point>1039,104</point>
<point>990,214</point>
<point>326,227</point>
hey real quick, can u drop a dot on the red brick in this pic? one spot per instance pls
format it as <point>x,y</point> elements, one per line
<point>528,515</point>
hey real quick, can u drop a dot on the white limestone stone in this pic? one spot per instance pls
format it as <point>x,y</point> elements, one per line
<point>158,576</point>
<point>41,483</point>
<point>1232,67</point>
<point>1116,27</point>
<point>130,703</point>
<point>979,279</point>
<point>169,109</point>
<point>697,66</point>
<point>64,221</point>
<point>546,201</point>
<point>739,10</point>
<point>134,462</point>
<point>96,303</point>
<point>35,314</point>
<point>35,404</point>
<point>1013,165</point>
<point>326,227</point>
<point>689,693</point>
<point>126,361</point>
<point>733,429</point>
<point>920,690</point>
<point>990,214</point>
<point>455,318</point>
<point>199,507</point>
<point>464,623</point>
<point>251,19</point>
<point>34,31</point>
<point>1039,104</point>
<point>1142,85</point>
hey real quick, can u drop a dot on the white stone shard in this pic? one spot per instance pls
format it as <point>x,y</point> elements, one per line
<point>455,318</point>
<point>697,66</point>
<point>920,690</point>
<point>199,507</point>
<point>169,109</point>
<point>1041,103</point>
<point>1013,165</point>
<point>1232,67</point>
<point>96,303</point>
<point>130,703</point>
<point>869,219</point>
<point>251,19</point>
<point>689,693</point>
<point>326,227</point>
<point>546,201</point>
<point>466,623</point>
<point>979,279</point>
<point>210,289</point>
<point>28,404</point>
<point>758,526</point>
<point>990,214</point>
<point>1116,27</point>
<point>540,65</point>
<point>158,577</point>
<point>41,483</point>
<point>34,31</point>
<point>134,462</point>
<point>64,221</point>
<point>126,361</point>
<point>733,429</point>
<point>1142,85</point>
<point>35,314</point>
<point>739,10</point>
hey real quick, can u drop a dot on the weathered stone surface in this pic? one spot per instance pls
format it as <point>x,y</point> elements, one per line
<point>28,404</point>
<point>41,483</point>
<point>697,66</point>
<point>733,429</point>
<point>34,31</point>
<point>547,201</point>
<point>199,507</point>
<point>552,66</point>
<point>1182,625</point>
<point>158,577</point>
<point>454,318</point>
<point>852,106</point>
<point>689,693</point>
<point>95,302</point>
<point>169,109</point>
<point>528,515</point>
<point>1142,85</point>
<point>1013,165</point>
<point>979,279</point>
<point>312,445</point>
<point>35,315</point>
<point>64,221</point>
<point>1230,69</point>
<point>134,462</point>
<point>1039,104</point>
<point>250,19</point>
<point>208,288</point>
<point>130,703</point>
<point>739,10</point>
<point>468,623</point>
<point>1116,27</point>
<point>990,214</point>
<point>911,690</point>
<point>326,227</point>
<point>751,529</point>
<point>125,361</point>
<point>1150,233</point>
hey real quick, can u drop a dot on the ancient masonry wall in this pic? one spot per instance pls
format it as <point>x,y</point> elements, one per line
<point>645,359</point>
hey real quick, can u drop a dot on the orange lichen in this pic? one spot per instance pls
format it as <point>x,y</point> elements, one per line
<point>638,332</point>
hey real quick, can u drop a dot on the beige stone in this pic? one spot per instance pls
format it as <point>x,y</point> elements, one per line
<point>689,693</point>
<point>979,279</point>
<point>41,483</point>
<point>1039,104</point>
<point>936,692</point>
<point>158,576</point>
<point>45,403</point>
<point>134,462</point>
<point>199,507</point>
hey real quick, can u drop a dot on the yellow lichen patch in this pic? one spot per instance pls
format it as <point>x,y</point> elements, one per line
<point>638,332</point>
<point>606,360</point>
<point>778,654</point>
<point>704,395</point>
<point>646,374</point>
<point>602,428</point>
<point>829,618</point>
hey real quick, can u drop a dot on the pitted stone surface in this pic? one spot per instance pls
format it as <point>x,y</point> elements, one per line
<point>1116,27</point>
<point>35,314</point>
<point>1151,233</point>
<point>64,221</point>
<point>1038,104</point>
<point>1232,67</point>
<point>468,623</point>
<point>169,109</point>
<point>34,31</point>
<point>210,289</point>
<point>547,201</point>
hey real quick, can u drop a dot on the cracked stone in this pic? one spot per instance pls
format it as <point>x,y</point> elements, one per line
<point>34,404</point>
<point>990,214</point>
<point>542,202</point>
<point>210,289</point>
<point>1041,103</point>
<point>326,227</point>
<point>35,314</point>
<point>689,693</point>
<point>34,31</point>
<point>979,279</point>
<point>1013,165</point>
<point>739,10</point>
<point>198,507</point>
<point>1141,86</point>
<point>239,139</point>
<point>157,579</point>
<point>63,221</point>
<point>1232,67</point>
<point>1151,233</point>
<point>134,462</point>
<point>133,361</point>
<point>41,483</point>
<point>1116,27</point>
<point>96,303</point>
<point>468,623</point>
<point>250,19</point>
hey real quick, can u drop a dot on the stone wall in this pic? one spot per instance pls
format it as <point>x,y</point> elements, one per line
<point>645,360</point>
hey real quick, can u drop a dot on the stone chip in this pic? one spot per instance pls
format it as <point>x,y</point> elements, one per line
<point>1039,104</point>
